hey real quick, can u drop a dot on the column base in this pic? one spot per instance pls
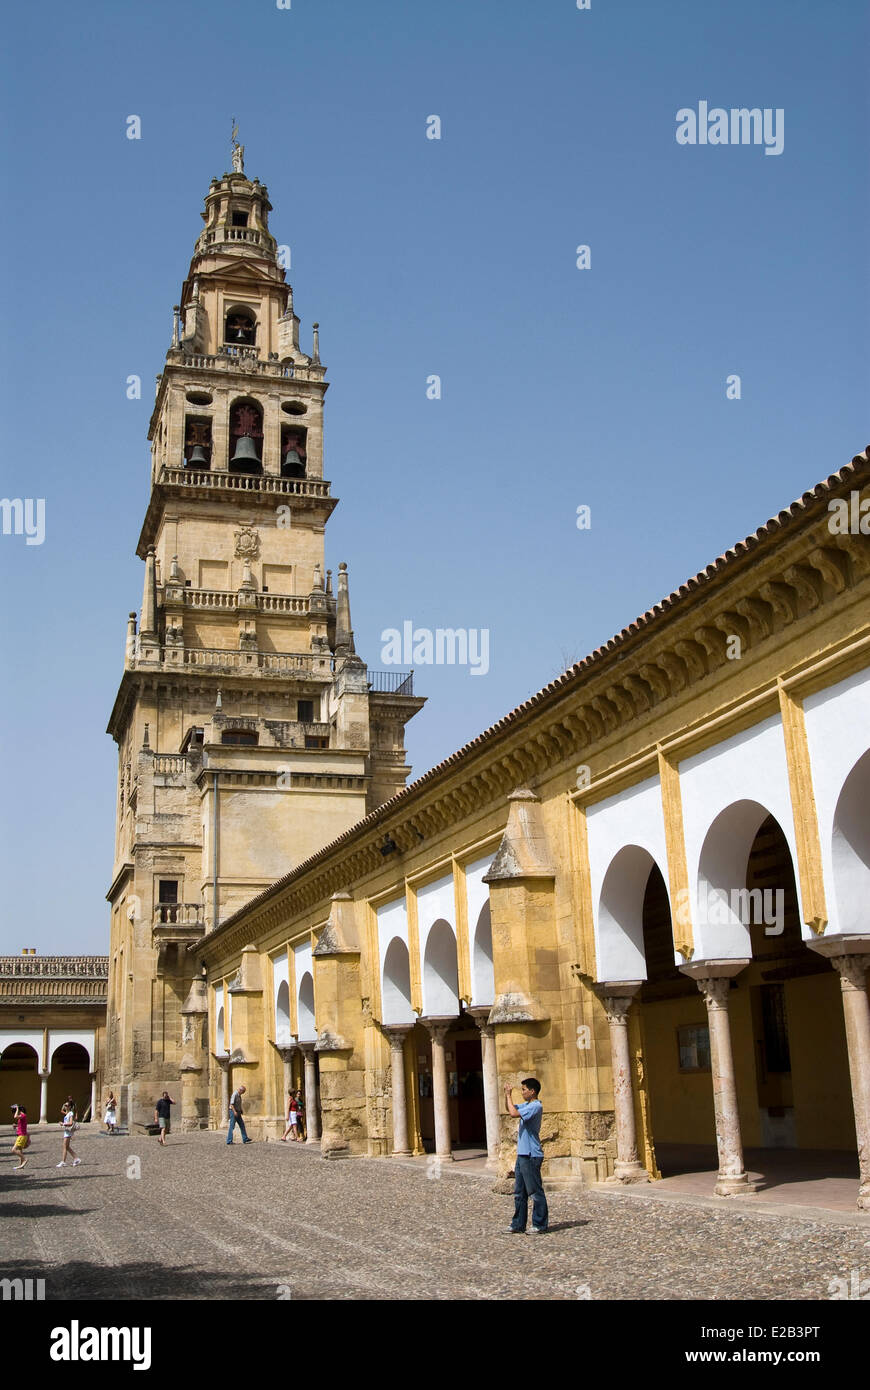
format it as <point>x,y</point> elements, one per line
<point>625,1173</point>
<point>336,1152</point>
<point>442,1158</point>
<point>313,1140</point>
<point>735,1185</point>
<point>863,1202</point>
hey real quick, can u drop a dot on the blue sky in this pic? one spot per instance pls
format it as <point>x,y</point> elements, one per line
<point>454,257</point>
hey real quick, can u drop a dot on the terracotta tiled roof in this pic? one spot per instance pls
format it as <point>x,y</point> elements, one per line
<point>854,472</point>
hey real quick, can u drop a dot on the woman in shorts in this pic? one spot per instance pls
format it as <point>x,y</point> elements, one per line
<point>68,1125</point>
<point>292,1117</point>
<point>111,1116</point>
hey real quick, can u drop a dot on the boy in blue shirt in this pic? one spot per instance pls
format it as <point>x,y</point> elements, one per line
<point>530,1155</point>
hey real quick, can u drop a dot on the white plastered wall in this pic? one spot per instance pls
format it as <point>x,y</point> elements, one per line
<point>477,897</point>
<point>749,767</point>
<point>838,734</point>
<point>83,1036</point>
<point>281,976</point>
<point>436,902</point>
<point>31,1036</point>
<point>302,965</point>
<point>218,1005</point>
<point>631,817</point>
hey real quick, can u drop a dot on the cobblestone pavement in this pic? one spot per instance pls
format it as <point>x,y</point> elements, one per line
<point>271,1221</point>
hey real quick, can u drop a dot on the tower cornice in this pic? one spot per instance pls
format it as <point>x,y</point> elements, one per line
<point>233,490</point>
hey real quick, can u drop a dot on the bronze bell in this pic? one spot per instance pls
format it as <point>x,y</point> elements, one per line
<point>197,458</point>
<point>245,458</point>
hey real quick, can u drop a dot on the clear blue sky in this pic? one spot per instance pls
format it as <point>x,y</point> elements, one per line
<point>457,257</point>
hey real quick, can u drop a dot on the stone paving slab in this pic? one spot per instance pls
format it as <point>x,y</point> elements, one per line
<point>274,1221</point>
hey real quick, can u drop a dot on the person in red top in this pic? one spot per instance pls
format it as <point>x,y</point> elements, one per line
<point>22,1139</point>
<point>292,1117</point>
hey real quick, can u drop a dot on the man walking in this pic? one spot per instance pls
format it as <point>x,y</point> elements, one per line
<point>236,1116</point>
<point>527,1178</point>
<point>161,1115</point>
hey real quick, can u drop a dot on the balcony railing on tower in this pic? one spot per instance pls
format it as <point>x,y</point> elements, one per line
<point>391,682</point>
<point>243,482</point>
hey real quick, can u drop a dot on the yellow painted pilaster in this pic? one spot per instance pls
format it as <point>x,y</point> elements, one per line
<point>678,869</point>
<point>584,920</point>
<point>463,945</point>
<point>803,802</point>
<point>370,964</point>
<point>414,948</point>
<point>293,988</point>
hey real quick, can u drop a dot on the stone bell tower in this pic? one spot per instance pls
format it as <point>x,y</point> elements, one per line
<point>249,732</point>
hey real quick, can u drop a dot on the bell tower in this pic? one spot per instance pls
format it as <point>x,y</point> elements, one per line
<point>250,733</point>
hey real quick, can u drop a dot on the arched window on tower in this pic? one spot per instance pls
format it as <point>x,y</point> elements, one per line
<point>246,436</point>
<point>197,443</point>
<point>293,451</point>
<point>240,329</point>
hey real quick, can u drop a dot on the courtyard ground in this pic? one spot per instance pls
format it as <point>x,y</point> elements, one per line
<point>274,1221</point>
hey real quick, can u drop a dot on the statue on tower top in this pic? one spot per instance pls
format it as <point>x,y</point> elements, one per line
<point>238,151</point>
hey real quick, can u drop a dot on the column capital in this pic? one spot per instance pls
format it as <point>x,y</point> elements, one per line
<point>616,997</point>
<point>396,1033</point>
<point>437,1027</point>
<point>617,1008</point>
<point>849,954</point>
<point>852,970</point>
<point>713,978</point>
<point>715,991</point>
<point>480,1014</point>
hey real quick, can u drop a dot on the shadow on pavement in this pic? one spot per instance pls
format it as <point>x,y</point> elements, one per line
<point>86,1282</point>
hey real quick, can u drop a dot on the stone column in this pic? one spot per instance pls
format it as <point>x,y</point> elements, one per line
<point>224,1064</point>
<point>397,1034</point>
<point>616,998</point>
<point>850,957</point>
<point>490,1082</point>
<point>43,1097</point>
<point>312,1110</point>
<point>93,1096</point>
<point>713,979</point>
<point>437,1028</point>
